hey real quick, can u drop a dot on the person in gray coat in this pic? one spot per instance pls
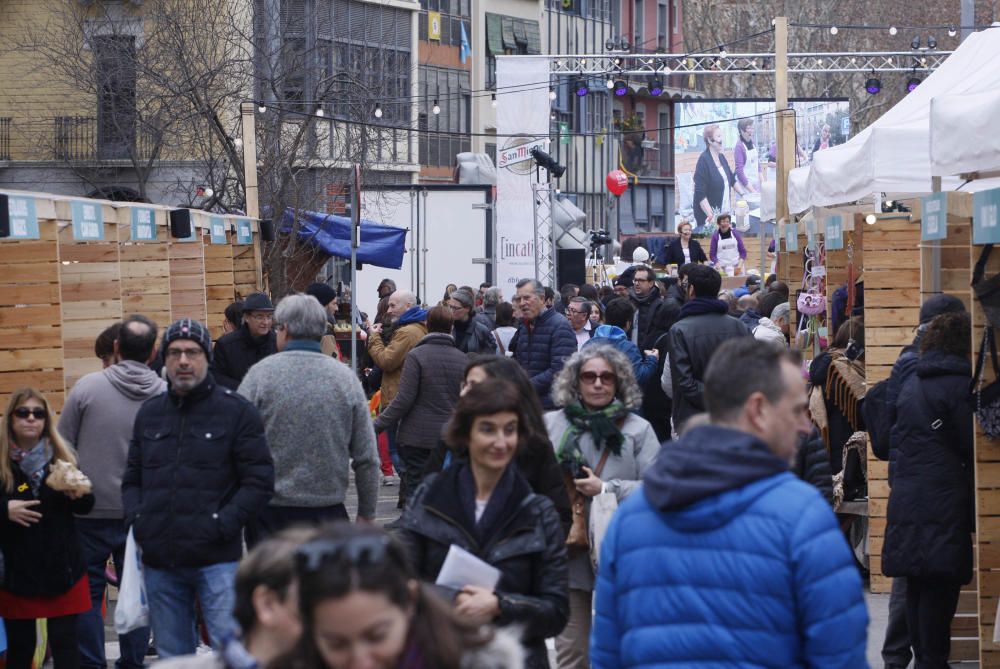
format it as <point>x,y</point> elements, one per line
<point>428,391</point>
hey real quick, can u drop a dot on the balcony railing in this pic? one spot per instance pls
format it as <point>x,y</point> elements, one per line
<point>80,139</point>
<point>5,138</point>
<point>658,160</point>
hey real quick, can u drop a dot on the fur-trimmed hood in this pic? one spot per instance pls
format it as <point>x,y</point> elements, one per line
<point>503,652</point>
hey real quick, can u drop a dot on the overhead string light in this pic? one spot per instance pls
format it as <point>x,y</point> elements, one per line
<point>436,109</point>
<point>834,30</point>
<point>378,110</point>
<point>493,100</point>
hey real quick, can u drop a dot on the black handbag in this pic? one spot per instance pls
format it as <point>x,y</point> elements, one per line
<point>987,400</point>
<point>988,290</point>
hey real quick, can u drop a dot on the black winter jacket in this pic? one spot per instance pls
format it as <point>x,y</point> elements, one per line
<point>673,253</point>
<point>930,516</point>
<point>902,369</point>
<point>528,547</point>
<point>198,470</point>
<point>474,336</point>
<point>43,559</point>
<point>693,340</point>
<point>428,392</point>
<point>648,317</point>
<point>812,464</point>
<point>541,350</point>
<point>237,352</point>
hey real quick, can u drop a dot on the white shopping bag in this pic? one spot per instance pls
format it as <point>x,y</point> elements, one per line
<point>132,609</point>
<point>602,508</point>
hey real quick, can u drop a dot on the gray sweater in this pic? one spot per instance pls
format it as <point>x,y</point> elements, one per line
<point>97,420</point>
<point>317,422</point>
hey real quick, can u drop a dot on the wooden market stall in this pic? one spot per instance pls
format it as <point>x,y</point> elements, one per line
<point>72,267</point>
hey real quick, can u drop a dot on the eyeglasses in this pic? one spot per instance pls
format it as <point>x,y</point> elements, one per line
<point>23,413</point>
<point>359,551</point>
<point>576,311</point>
<point>638,280</point>
<point>457,307</point>
<point>266,316</point>
<point>191,353</point>
<point>607,378</point>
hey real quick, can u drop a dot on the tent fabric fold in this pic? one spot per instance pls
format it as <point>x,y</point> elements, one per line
<point>379,245</point>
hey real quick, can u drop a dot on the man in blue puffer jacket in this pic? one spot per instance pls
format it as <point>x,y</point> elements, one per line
<point>543,341</point>
<point>726,559</point>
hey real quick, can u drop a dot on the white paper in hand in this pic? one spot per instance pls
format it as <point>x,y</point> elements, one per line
<point>462,568</point>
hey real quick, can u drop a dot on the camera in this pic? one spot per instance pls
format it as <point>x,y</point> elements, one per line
<point>599,237</point>
<point>573,468</point>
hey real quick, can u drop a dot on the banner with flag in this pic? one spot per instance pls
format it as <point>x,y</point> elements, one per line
<point>464,50</point>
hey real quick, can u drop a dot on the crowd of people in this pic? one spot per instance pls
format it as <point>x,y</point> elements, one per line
<point>504,424</point>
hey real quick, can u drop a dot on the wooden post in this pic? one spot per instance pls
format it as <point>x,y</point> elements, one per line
<point>786,120</point>
<point>249,120</point>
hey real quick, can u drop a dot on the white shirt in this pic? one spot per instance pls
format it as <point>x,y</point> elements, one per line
<point>582,337</point>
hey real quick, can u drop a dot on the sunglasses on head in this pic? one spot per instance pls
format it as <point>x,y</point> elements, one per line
<point>24,412</point>
<point>359,551</point>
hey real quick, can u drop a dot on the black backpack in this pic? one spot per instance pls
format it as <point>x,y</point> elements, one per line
<point>877,414</point>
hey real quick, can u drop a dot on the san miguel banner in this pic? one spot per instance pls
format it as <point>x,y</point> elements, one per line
<point>522,123</point>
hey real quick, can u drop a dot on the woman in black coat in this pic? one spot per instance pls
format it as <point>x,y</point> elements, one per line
<point>485,506</point>
<point>713,179</point>
<point>673,253</point>
<point>44,575</point>
<point>931,508</point>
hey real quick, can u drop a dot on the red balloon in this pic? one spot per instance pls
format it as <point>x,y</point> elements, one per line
<point>617,182</point>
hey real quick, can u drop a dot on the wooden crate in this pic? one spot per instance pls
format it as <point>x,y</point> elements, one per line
<point>58,294</point>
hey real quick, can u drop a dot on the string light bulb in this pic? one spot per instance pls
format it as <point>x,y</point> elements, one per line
<point>493,100</point>
<point>834,30</point>
<point>320,112</point>
<point>436,108</point>
<point>952,31</point>
<point>870,219</point>
<point>378,110</point>
<point>893,30</point>
<point>238,143</point>
<point>552,94</point>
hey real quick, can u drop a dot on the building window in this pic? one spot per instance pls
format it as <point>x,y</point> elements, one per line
<point>451,89</point>
<point>662,19</point>
<point>506,35</point>
<point>676,17</point>
<point>638,23</point>
<point>453,13</point>
<point>114,60</point>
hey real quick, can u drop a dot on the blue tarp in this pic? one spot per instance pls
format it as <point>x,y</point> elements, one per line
<point>380,245</point>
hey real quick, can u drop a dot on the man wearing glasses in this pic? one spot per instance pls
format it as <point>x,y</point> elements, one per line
<point>578,313</point>
<point>198,471</point>
<point>238,351</point>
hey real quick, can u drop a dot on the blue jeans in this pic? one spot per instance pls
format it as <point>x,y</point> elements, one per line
<point>172,594</point>
<point>397,462</point>
<point>100,538</point>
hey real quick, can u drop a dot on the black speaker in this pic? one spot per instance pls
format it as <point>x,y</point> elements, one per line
<point>571,267</point>
<point>4,216</point>
<point>180,223</point>
<point>267,230</point>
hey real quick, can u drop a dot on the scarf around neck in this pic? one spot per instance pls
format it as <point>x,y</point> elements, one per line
<point>697,306</point>
<point>32,463</point>
<point>601,425</point>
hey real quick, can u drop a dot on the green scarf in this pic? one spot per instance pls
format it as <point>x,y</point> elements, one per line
<point>601,425</point>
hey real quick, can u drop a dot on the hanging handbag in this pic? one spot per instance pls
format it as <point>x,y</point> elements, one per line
<point>579,531</point>
<point>987,399</point>
<point>987,290</point>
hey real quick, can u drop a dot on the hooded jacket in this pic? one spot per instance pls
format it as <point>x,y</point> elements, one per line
<point>726,559</point>
<point>930,517</point>
<point>767,331</point>
<point>97,421</point>
<point>236,352</point>
<point>643,365</point>
<point>409,330</point>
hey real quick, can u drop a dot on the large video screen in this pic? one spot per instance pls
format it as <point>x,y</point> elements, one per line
<point>723,151</point>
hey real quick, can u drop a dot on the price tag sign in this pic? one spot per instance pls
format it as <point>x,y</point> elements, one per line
<point>985,210</point>
<point>217,226</point>
<point>143,225</point>
<point>244,233</point>
<point>934,217</point>
<point>88,221</point>
<point>23,217</point>
<point>833,232</point>
<point>791,237</point>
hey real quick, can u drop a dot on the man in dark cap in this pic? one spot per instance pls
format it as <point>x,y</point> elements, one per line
<point>238,351</point>
<point>327,297</point>
<point>198,471</point>
<point>896,650</point>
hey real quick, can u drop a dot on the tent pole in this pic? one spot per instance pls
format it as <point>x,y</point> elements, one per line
<point>935,268</point>
<point>355,228</point>
<point>786,120</point>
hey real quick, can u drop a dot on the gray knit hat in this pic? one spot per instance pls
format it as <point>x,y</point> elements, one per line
<point>187,328</point>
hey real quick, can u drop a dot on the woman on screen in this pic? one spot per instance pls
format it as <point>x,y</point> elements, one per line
<point>713,178</point>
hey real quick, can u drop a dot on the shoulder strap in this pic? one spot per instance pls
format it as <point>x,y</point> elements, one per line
<point>602,462</point>
<point>989,342</point>
<point>496,338</point>
<point>980,268</point>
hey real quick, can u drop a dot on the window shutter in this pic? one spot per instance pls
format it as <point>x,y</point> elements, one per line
<point>508,33</point>
<point>533,37</point>
<point>494,34</point>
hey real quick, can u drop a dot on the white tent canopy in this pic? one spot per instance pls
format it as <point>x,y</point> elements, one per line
<point>893,153</point>
<point>965,133</point>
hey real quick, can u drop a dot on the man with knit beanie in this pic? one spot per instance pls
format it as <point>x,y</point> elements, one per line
<point>326,295</point>
<point>198,471</point>
<point>317,423</point>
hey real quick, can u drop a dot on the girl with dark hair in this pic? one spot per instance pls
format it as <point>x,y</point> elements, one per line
<point>362,606</point>
<point>930,519</point>
<point>505,329</point>
<point>44,574</point>
<point>483,504</point>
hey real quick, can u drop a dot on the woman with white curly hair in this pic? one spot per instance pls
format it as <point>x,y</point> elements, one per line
<point>603,447</point>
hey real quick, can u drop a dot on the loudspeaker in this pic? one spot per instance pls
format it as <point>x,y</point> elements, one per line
<point>571,267</point>
<point>267,230</point>
<point>180,223</point>
<point>4,216</point>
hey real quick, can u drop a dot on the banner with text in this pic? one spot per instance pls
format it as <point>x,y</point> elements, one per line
<point>522,122</point>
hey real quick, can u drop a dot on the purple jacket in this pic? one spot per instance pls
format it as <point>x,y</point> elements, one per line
<point>740,157</point>
<point>713,250</point>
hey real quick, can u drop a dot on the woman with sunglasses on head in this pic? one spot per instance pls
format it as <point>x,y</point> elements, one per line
<point>44,572</point>
<point>713,178</point>
<point>535,459</point>
<point>603,447</point>
<point>483,504</point>
<point>361,605</point>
